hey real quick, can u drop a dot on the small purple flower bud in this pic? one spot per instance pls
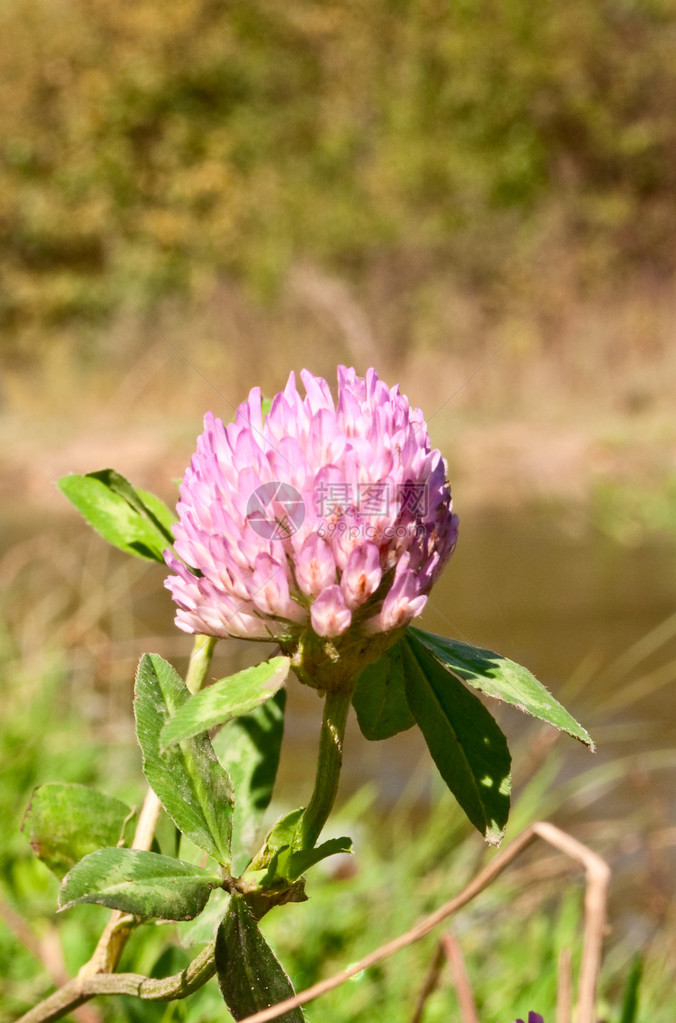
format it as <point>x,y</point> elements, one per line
<point>270,590</point>
<point>404,600</point>
<point>329,614</point>
<point>361,575</point>
<point>315,567</point>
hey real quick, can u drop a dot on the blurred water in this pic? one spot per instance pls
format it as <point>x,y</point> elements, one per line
<point>568,607</point>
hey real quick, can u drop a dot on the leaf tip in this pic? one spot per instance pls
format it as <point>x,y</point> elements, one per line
<point>494,835</point>
<point>166,740</point>
<point>62,900</point>
<point>583,736</point>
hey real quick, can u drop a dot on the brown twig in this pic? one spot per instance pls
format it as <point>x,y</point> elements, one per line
<point>456,961</point>
<point>429,984</point>
<point>598,874</point>
<point>81,989</point>
<point>564,987</point>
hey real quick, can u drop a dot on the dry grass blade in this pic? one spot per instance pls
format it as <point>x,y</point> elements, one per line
<point>430,984</point>
<point>564,991</point>
<point>456,961</point>
<point>598,876</point>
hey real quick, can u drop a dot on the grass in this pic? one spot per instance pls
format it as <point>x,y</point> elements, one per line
<point>67,647</point>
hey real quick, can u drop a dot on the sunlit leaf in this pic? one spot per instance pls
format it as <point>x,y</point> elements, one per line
<point>284,834</point>
<point>502,679</point>
<point>133,520</point>
<point>143,883</point>
<point>66,822</point>
<point>282,855</point>
<point>226,699</point>
<point>188,778</point>
<point>301,860</point>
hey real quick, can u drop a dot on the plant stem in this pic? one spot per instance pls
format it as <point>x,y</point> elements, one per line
<point>200,659</point>
<point>77,991</point>
<point>120,925</point>
<point>329,763</point>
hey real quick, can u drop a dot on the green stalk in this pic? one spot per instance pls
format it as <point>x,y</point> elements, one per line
<point>120,925</point>
<point>200,659</point>
<point>329,763</point>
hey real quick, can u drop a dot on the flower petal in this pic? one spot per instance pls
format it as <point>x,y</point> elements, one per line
<point>329,614</point>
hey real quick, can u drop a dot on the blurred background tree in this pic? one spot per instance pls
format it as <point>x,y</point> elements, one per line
<point>150,150</point>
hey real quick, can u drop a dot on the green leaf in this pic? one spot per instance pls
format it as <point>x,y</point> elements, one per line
<point>249,748</point>
<point>630,1000</point>
<point>380,697</point>
<point>133,520</point>
<point>203,929</point>
<point>143,883</point>
<point>66,822</point>
<point>144,503</point>
<point>249,974</point>
<point>286,864</point>
<point>193,787</point>
<point>502,679</point>
<point>300,861</point>
<point>227,699</point>
<point>283,857</point>
<point>284,834</point>
<point>466,744</point>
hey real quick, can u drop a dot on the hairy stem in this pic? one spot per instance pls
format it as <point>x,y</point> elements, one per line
<point>329,763</point>
<point>80,990</point>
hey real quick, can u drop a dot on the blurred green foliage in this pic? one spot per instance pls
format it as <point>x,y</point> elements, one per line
<point>148,149</point>
<point>68,649</point>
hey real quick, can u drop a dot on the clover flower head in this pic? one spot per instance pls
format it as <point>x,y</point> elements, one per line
<point>328,516</point>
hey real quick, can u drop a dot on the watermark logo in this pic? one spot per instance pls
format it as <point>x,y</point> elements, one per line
<point>367,531</point>
<point>275,510</point>
<point>370,500</point>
